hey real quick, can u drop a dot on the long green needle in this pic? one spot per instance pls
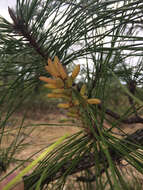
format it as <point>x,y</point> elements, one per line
<point>30,166</point>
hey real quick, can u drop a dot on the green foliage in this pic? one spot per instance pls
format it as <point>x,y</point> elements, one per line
<point>104,37</point>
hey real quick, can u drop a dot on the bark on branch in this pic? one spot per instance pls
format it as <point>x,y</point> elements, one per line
<point>22,29</point>
<point>130,120</point>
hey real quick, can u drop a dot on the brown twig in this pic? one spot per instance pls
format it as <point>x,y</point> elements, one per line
<point>130,120</point>
<point>22,29</point>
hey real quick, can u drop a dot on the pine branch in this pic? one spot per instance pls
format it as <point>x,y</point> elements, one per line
<point>20,27</point>
<point>130,120</point>
<point>88,160</point>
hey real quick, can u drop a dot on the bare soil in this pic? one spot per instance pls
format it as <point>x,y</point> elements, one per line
<point>44,129</point>
<point>39,132</point>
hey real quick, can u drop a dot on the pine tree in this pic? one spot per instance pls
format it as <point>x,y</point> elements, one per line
<point>105,38</point>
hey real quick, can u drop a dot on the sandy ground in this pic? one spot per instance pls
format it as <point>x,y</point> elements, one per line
<point>41,131</point>
<point>37,133</point>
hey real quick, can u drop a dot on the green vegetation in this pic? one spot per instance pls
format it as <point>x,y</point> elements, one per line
<point>104,38</point>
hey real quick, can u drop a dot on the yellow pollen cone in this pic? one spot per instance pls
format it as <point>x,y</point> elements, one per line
<point>69,82</point>
<point>63,106</point>
<point>65,92</point>
<point>75,71</point>
<point>59,83</point>
<point>56,62</point>
<point>52,86</point>
<point>94,101</point>
<point>63,73</point>
<point>83,90</point>
<point>55,67</point>
<point>61,90</point>
<point>47,68</point>
<point>48,80</point>
<point>54,95</point>
<point>52,69</point>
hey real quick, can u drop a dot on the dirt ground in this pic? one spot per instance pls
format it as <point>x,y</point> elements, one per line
<point>39,132</point>
<point>42,130</point>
